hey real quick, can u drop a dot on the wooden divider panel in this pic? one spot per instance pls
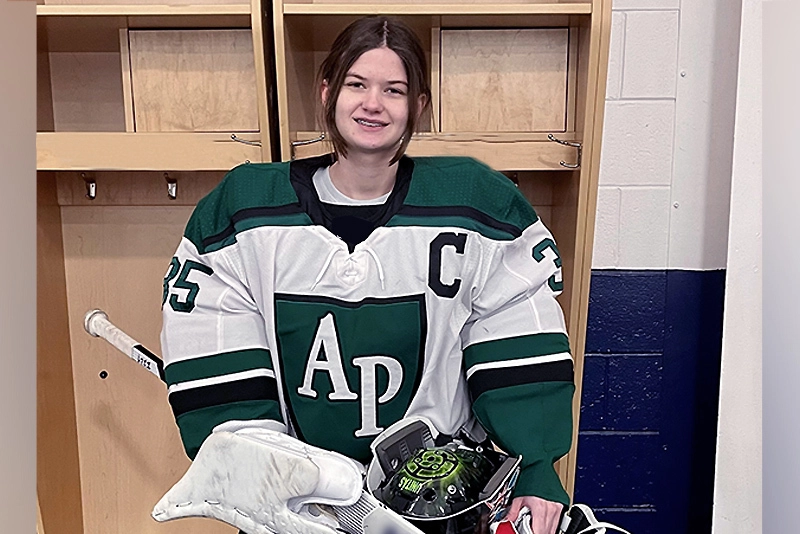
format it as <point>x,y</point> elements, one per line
<point>130,453</point>
<point>58,480</point>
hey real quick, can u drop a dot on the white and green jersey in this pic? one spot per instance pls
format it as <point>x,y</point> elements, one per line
<point>443,307</point>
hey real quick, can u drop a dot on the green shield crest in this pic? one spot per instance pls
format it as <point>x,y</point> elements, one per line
<point>350,369</point>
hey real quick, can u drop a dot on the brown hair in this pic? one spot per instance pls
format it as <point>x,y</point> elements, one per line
<point>361,36</point>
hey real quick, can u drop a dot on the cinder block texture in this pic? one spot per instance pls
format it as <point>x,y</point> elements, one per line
<point>644,227</point>
<point>637,143</point>
<point>606,232</point>
<point>626,312</point>
<point>634,392</point>
<point>617,470</point>
<point>658,334</point>
<point>621,393</point>
<point>594,391</point>
<point>651,54</point>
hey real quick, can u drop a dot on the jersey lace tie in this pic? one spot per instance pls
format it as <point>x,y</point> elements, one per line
<point>325,266</point>
<point>377,263</point>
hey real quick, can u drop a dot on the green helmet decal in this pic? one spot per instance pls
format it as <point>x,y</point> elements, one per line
<point>432,464</point>
<point>437,483</point>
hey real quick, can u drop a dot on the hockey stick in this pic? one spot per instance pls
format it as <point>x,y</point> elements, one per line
<point>97,324</point>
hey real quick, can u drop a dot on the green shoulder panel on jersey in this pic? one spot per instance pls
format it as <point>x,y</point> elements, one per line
<point>466,193</point>
<point>250,195</point>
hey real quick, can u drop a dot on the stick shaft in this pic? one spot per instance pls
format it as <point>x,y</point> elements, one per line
<point>97,324</point>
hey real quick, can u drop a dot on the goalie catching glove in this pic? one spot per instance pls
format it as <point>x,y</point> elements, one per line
<point>263,482</point>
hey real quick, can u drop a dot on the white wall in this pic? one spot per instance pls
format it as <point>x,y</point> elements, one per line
<point>668,135</point>
<point>780,282</point>
<point>737,485</point>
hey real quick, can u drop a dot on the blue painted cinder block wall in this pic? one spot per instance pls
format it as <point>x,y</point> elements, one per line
<point>647,429</point>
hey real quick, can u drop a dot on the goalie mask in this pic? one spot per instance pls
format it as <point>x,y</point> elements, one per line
<point>455,488</point>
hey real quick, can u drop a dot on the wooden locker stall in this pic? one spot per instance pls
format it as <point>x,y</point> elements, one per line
<point>128,141</point>
<point>518,85</point>
<point>135,124</point>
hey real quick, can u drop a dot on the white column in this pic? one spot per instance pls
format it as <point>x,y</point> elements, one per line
<point>737,485</point>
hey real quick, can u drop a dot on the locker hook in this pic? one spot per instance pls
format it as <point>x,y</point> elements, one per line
<point>91,186</point>
<point>568,143</point>
<point>172,186</point>
<point>244,141</point>
<point>321,137</point>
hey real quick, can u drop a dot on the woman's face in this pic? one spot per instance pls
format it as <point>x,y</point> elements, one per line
<point>372,109</point>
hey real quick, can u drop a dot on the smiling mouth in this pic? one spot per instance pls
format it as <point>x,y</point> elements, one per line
<point>371,124</point>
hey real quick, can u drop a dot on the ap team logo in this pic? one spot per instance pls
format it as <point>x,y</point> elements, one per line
<point>350,369</point>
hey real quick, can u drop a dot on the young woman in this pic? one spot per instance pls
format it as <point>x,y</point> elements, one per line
<point>332,296</point>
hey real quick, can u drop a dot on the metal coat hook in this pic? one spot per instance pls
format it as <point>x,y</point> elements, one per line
<point>172,186</point>
<point>245,141</point>
<point>91,186</point>
<point>568,143</point>
<point>321,137</point>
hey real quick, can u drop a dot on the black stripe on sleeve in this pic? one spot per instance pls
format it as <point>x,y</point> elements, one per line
<point>256,388</point>
<point>487,379</point>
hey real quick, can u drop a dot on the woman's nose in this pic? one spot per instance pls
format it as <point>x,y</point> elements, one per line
<point>372,100</point>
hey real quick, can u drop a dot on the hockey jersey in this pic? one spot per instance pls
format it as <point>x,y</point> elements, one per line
<point>445,308</point>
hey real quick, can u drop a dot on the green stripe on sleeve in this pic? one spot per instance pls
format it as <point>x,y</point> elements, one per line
<point>197,425</point>
<point>217,365</point>
<point>516,347</point>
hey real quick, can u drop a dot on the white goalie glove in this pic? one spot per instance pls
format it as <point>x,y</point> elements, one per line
<point>263,482</point>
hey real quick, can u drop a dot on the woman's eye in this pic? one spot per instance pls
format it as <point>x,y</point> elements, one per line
<point>396,91</point>
<point>356,85</point>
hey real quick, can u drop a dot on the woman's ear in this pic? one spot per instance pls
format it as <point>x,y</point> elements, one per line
<point>324,92</point>
<point>422,101</point>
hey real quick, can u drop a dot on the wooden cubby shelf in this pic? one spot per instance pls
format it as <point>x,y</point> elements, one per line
<point>151,87</point>
<point>508,151</point>
<point>123,151</point>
